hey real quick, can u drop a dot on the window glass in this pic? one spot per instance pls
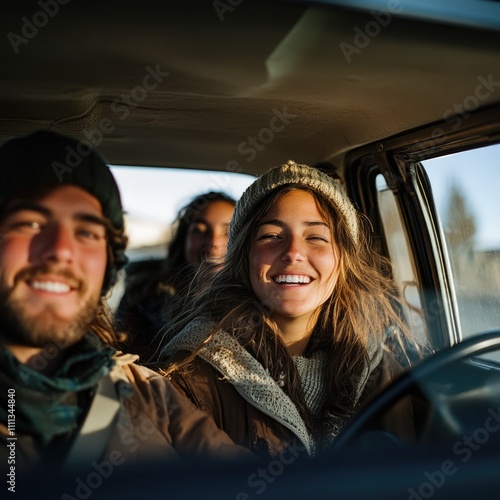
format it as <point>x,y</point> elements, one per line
<point>465,189</point>
<point>400,255</point>
<point>152,197</point>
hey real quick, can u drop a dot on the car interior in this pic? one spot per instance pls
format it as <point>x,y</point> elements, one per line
<point>400,99</point>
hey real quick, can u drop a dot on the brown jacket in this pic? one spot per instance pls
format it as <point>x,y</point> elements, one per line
<point>263,433</point>
<point>154,421</point>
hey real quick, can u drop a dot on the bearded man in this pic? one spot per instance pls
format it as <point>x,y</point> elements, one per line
<point>68,399</point>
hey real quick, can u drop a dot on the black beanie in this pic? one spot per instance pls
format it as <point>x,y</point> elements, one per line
<point>47,159</point>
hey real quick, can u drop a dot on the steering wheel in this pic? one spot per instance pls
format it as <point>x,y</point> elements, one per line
<point>457,395</point>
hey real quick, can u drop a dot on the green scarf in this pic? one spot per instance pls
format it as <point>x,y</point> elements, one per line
<point>47,406</point>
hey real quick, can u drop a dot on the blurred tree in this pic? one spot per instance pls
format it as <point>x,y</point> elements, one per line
<point>460,225</point>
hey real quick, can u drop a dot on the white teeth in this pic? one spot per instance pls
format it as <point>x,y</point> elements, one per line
<point>292,278</point>
<point>51,286</point>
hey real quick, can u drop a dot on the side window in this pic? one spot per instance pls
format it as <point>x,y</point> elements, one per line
<point>466,191</point>
<point>400,255</point>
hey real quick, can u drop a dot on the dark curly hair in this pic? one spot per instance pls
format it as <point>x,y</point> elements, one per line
<point>175,271</point>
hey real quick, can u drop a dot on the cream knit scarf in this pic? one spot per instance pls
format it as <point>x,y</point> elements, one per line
<point>254,383</point>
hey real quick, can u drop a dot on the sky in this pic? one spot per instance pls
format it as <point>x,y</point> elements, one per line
<point>477,174</point>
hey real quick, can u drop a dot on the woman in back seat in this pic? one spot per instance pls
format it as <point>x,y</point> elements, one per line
<point>154,287</point>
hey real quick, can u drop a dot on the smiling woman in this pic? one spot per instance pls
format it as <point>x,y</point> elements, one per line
<point>289,339</point>
<point>152,198</point>
<point>294,264</point>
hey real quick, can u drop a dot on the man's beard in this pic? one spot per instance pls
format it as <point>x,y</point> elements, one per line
<point>44,328</point>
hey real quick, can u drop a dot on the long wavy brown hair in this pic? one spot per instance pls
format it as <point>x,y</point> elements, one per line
<point>362,309</point>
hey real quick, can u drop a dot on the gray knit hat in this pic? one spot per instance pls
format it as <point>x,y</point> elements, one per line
<point>302,175</point>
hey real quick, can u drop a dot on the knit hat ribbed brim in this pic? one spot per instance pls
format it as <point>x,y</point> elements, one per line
<point>302,175</point>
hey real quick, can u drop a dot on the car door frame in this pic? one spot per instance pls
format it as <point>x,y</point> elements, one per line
<point>399,159</point>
